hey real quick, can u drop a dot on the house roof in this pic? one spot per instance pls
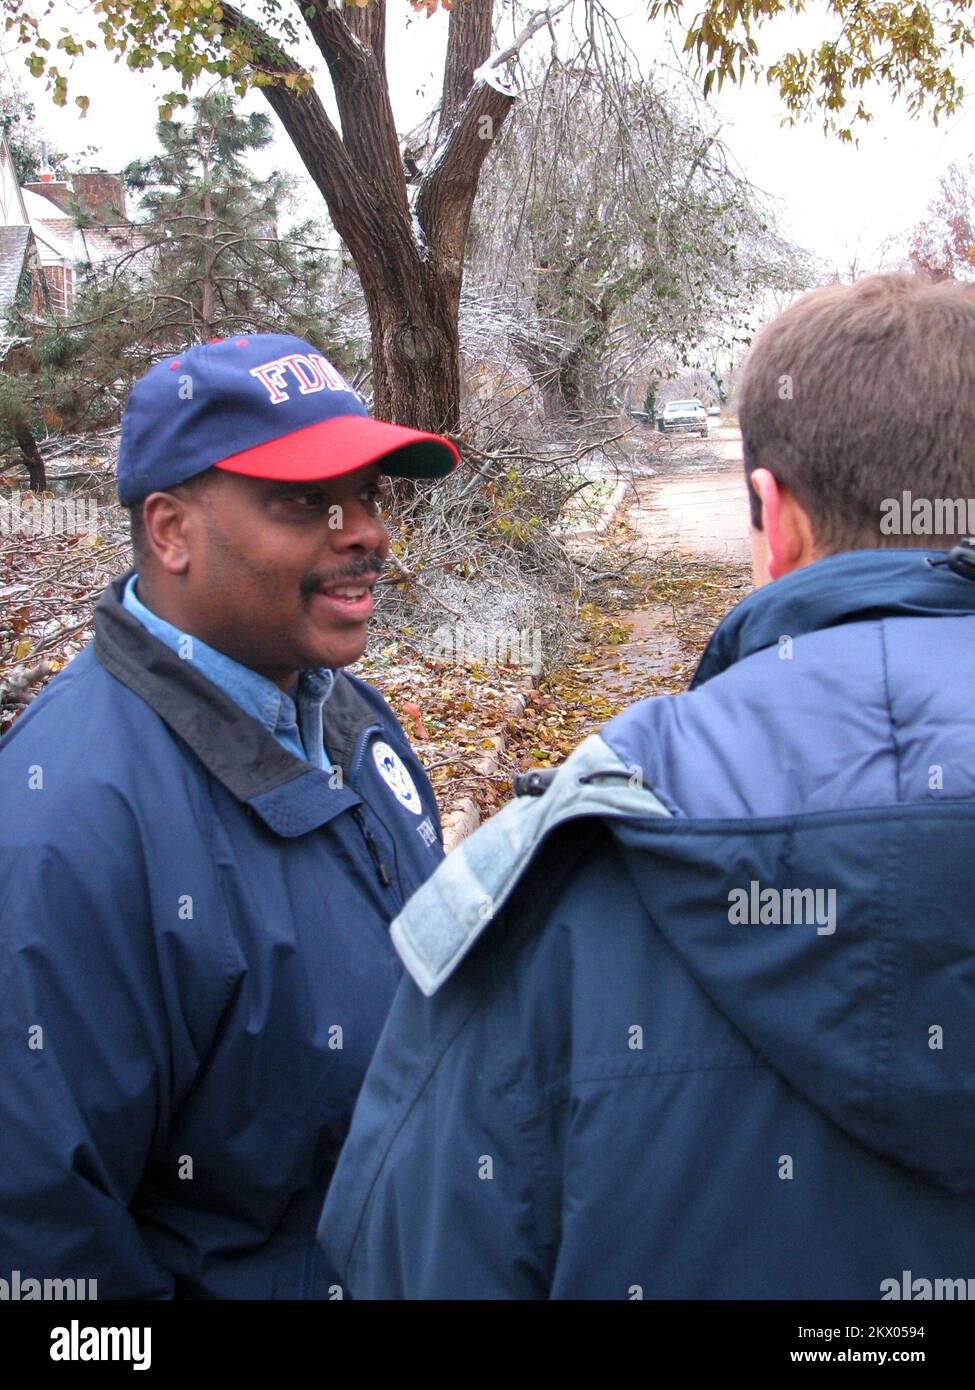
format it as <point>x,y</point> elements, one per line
<point>13,251</point>
<point>107,243</point>
<point>79,245</point>
<point>54,231</point>
<point>44,208</point>
<point>62,227</point>
<point>41,206</point>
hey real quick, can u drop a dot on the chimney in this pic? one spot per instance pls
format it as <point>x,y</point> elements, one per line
<point>102,196</point>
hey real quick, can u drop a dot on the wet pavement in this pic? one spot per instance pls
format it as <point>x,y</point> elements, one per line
<point>651,650</point>
<point>692,507</point>
<point>696,501</point>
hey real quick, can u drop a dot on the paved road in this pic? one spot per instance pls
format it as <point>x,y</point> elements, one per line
<point>697,502</point>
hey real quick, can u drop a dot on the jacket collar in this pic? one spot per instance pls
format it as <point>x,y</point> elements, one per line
<point>852,587</point>
<point>256,694</point>
<point>239,752</point>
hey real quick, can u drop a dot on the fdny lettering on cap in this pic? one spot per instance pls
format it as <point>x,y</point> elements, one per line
<point>310,370</point>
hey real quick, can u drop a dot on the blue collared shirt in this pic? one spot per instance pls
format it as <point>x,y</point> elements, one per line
<point>296,723</point>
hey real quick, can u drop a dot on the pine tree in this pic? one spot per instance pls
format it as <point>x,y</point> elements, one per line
<point>219,266</point>
<point>208,263</point>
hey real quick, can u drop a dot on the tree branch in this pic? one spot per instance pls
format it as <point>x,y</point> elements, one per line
<point>539,20</point>
<point>446,194</point>
<point>307,123</point>
<point>368,23</point>
<point>468,46</point>
<point>358,76</point>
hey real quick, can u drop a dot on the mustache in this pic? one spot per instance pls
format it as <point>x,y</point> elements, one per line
<point>366,567</point>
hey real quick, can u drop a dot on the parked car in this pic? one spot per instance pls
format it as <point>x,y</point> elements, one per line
<point>714,410</point>
<point>684,415</point>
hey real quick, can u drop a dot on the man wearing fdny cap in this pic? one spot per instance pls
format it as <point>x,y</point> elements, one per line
<point>209,825</point>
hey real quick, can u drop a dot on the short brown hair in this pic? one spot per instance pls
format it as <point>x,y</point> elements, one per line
<point>858,393</point>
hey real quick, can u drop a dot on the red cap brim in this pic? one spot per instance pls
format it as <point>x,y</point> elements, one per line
<point>341,445</point>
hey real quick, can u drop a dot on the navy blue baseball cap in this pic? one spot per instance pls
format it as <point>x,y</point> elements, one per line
<point>267,406</point>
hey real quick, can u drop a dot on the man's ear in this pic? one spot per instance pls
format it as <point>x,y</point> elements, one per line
<point>785,526</point>
<point>165,520</point>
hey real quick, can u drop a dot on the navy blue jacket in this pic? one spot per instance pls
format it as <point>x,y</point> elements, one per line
<point>633,1086</point>
<point>195,967</point>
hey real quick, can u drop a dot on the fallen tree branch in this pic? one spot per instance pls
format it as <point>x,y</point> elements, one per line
<point>14,690</point>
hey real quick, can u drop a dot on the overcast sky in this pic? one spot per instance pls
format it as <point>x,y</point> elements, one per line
<point>838,201</point>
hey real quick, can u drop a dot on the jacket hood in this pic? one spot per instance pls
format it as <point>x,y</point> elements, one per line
<point>863,998</point>
<point>852,587</point>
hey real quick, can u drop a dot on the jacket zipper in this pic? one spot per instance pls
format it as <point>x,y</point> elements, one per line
<point>377,859</point>
<point>360,749</point>
<point>382,872</point>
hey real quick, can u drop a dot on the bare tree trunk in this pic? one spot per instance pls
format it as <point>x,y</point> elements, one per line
<point>20,361</point>
<point>577,365</point>
<point>32,459</point>
<point>209,254</point>
<point>410,266</point>
<point>416,351</point>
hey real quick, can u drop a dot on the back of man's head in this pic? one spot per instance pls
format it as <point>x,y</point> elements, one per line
<point>858,393</point>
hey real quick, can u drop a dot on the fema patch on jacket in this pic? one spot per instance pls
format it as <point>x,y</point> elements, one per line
<point>395,774</point>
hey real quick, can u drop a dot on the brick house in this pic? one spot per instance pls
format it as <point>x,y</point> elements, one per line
<point>43,252</point>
